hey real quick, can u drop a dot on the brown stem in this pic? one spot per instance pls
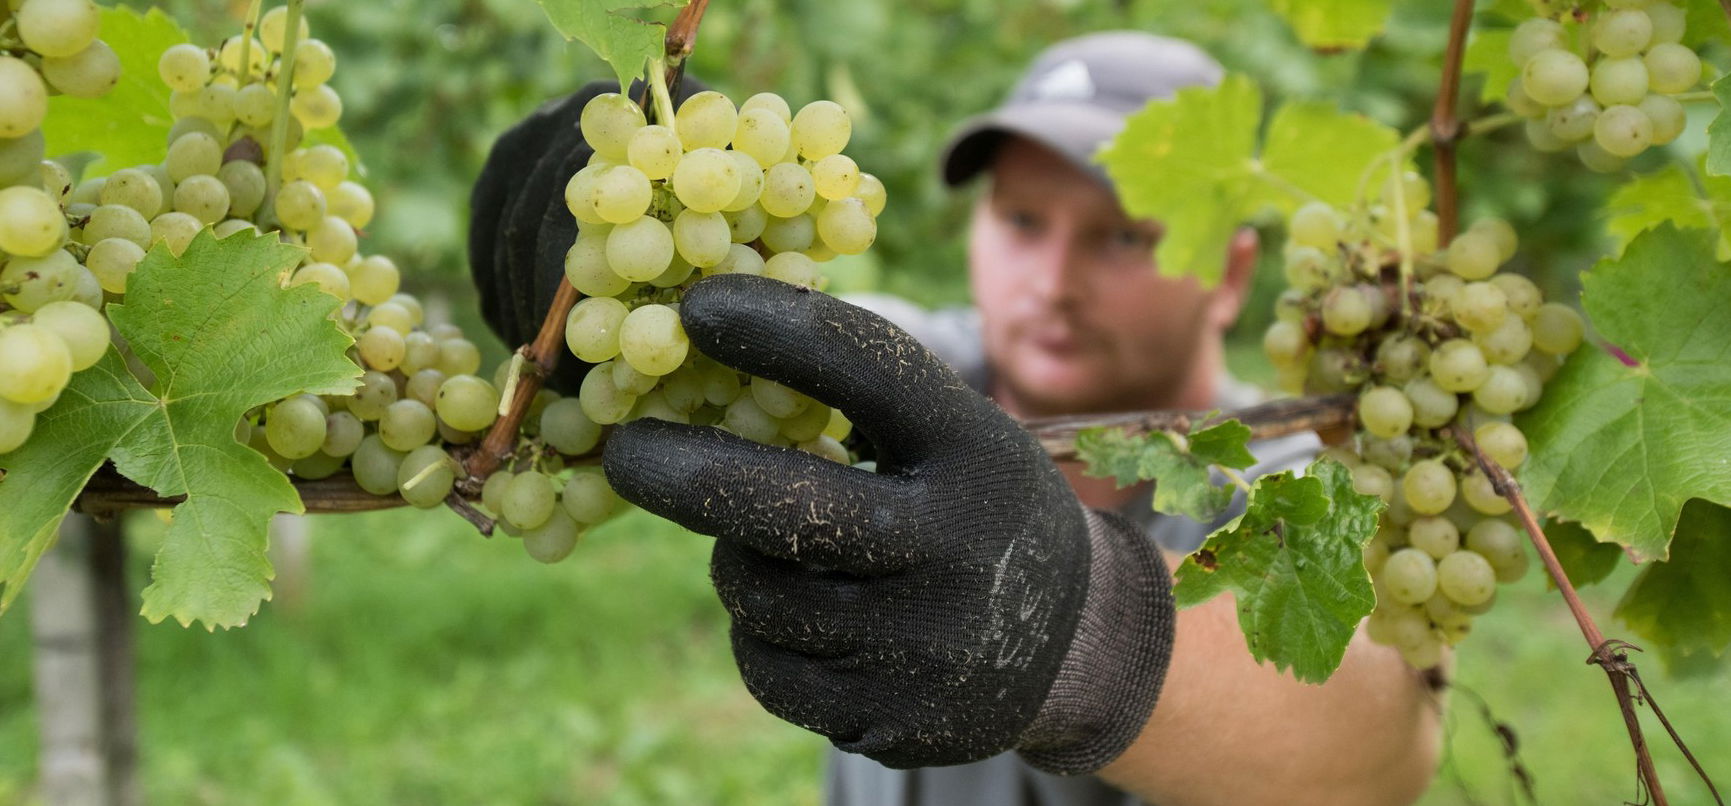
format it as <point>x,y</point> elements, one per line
<point>1726,4</point>
<point>1322,414</point>
<point>1609,655</point>
<point>108,493</point>
<point>1445,128</point>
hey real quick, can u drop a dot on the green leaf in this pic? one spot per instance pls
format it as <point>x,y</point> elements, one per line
<point>1719,131</point>
<point>1684,605</point>
<point>1670,194</point>
<point>1179,468</point>
<point>1334,24</point>
<point>1586,560</point>
<point>1323,151</point>
<point>623,41</point>
<point>1191,163</point>
<point>222,336</point>
<point>128,126</point>
<point>1226,444</point>
<point>1705,23</point>
<point>1294,561</point>
<point>1488,53</point>
<point>1622,448</point>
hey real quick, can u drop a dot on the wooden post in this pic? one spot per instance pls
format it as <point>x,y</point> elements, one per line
<point>81,623</point>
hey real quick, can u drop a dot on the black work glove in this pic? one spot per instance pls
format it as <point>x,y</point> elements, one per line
<point>519,226</point>
<point>956,604</point>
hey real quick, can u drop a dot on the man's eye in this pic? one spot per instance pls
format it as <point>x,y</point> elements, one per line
<point>1132,239</point>
<point>1024,221</point>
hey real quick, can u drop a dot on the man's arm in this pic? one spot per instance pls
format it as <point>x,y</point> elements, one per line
<point>1227,730</point>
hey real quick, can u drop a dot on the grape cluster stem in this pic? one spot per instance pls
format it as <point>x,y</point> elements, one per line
<point>1445,128</point>
<point>541,355</point>
<point>1329,415</point>
<point>1608,654</point>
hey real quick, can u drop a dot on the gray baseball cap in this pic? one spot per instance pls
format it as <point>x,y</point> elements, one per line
<point>1076,96</point>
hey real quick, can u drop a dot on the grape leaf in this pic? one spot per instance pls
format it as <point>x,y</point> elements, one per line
<point>1294,560</point>
<point>130,124</point>
<point>222,336</point>
<point>1182,483</point>
<point>621,40</point>
<point>1719,131</point>
<point>1684,605</point>
<point>1334,24</point>
<point>1488,53</point>
<point>1584,558</point>
<point>1621,448</point>
<point>1670,194</point>
<point>1190,162</point>
<point>1704,23</point>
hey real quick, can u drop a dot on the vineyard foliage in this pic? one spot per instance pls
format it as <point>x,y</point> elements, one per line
<point>1628,446</point>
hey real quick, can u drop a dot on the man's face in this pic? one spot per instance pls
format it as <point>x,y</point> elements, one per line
<point>1076,319</point>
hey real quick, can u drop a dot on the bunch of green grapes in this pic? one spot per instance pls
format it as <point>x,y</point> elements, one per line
<point>51,324</point>
<point>1602,82</point>
<point>1472,346</point>
<point>748,190</point>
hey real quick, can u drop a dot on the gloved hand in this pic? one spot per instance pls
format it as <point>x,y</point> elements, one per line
<point>956,604</point>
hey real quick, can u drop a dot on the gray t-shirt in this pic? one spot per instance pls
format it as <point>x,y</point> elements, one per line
<point>1006,780</point>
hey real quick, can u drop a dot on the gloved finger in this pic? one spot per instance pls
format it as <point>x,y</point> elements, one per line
<point>791,605</point>
<point>822,695</point>
<point>904,398</point>
<point>777,501</point>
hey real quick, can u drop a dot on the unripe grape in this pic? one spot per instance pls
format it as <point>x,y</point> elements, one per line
<point>407,424</point>
<point>1623,131</point>
<point>31,223</point>
<point>1410,575</point>
<point>554,540</point>
<point>468,403</point>
<point>1667,21</point>
<point>652,340</point>
<point>567,429</point>
<point>1345,312</point>
<point>458,356</point>
<point>641,250</point>
<point>35,364</point>
<point>706,120</point>
<point>1554,76</point>
<point>1480,306</point>
<point>176,230</point>
<point>89,73</point>
<point>1315,225</point>
<point>1619,81</point>
<point>1373,480</point>
<point>1573,122</point>
<point>1385,412</point>
<point>1402,358</point>
<point>1308,268</point>
<point>113,260</point>
<point>376,392</point>
<point>1533,36</point>
<point>1478,492</point>
<point>1434,535</point>
<point>607,123</point>
<point>836,177</point>
<point>1557,329</point>
<point>1508,343</point>
<point>655,151</point>
<point>762,135</point>
<point>1598,159</point>
<point>1285,343</point>
<point>747,419</point>
<point>1473,256</point>
<point>1429,487</point>
<point>588,498</point>
<point>821,128</point>
<point>602,402</point>
<point>1466,577</point>
<point>245,183</point>
<point>846,225</point>
<point>426,476</point>
<point>741,259</point>
<point>315,63</point>
<point>706,180</point>
<point>375,466</point>
<point>300,205</point>
<point>23,98</point>
<point>1501,545</point>
<point>184,67</point>
<point>592,328</point>
<point>871,191</point>
<point>1457,365</point>
<point>295,428</point>
<point>57,27</point>
<point>794,268</point>
<point>273,29</point>
<point>788,190</point>
<point>747,225</point>
<point>1672,68</point>
<point>343,434</point>
<point>1622,33</point>
<point>1502,391</point>
<point>1666,115</point>
<point>702,239</point>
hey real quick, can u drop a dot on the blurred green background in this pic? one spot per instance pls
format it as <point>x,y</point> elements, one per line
<point>424,665</point>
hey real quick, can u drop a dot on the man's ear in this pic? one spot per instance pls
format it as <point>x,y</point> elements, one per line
<point>1234,285</point>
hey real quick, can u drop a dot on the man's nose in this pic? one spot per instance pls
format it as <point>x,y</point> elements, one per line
<point>1057,268</point>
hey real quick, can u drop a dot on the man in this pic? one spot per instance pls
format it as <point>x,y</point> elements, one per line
<point>972,598</point>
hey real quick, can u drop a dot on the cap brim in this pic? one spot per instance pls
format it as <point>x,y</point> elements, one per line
<point>1075,130</point>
